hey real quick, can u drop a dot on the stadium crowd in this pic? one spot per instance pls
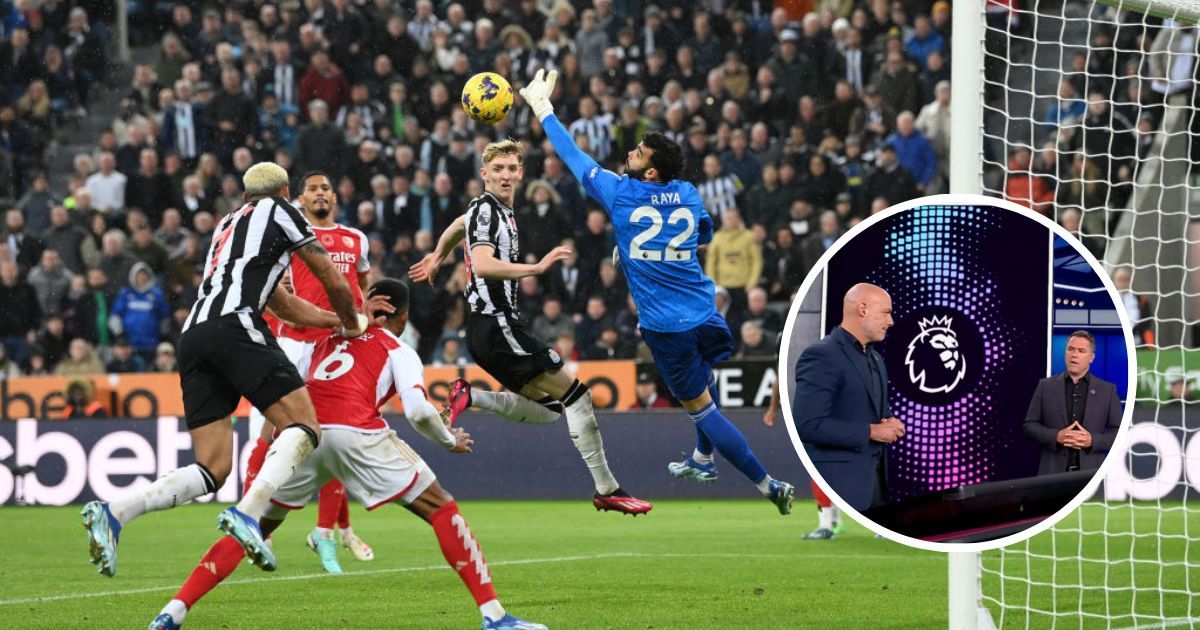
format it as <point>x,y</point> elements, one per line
<point>798,121</point>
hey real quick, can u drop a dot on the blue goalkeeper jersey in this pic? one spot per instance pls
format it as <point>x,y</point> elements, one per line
<point>658,228</point>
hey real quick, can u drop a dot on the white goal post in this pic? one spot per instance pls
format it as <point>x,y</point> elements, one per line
<point>1125,558</point>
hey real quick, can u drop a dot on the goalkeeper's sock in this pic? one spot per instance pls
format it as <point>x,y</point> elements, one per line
<point>516,407</point>
<point>462,552</point>
<point>581,425</point>
<point>221,559</point>
<point>730,443</point>
<point>254,464</point>
<point>287,452</point>
<point>704,446</point>
<point>329,504</point>
<point>764,486</point>
<point>172,489</point>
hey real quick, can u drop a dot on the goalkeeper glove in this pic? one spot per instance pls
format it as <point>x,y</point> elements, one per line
<point>537,93</point>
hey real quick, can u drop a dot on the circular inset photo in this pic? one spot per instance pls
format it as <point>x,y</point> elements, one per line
<point>956,371</point>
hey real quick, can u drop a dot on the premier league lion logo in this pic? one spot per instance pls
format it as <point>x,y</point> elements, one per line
<point>934,361</point>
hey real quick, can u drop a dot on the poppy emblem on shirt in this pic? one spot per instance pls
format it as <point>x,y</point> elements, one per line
<point>327,240</point>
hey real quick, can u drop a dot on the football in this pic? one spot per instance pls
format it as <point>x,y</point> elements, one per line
<point>487,97</point>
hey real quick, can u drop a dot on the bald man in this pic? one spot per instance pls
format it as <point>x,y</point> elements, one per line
<point>841,408</point>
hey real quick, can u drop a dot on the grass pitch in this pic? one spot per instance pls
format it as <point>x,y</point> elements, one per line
<point>688,564</point>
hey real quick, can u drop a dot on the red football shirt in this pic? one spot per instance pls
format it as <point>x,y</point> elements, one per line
<point>351,378</point>
<point>347,249</point>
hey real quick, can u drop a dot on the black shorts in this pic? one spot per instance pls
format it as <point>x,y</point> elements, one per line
<point>225,358</point>
<point>507,352</point>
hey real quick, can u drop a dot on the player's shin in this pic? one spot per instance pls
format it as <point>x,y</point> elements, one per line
<point>221,559</point>
<point>581,424</point>
<point>329,504</point>
<point>172,489</point>
<point>730,443</point>
<point>518,408</point>
<point>463,554</point>
<point>289,449</point>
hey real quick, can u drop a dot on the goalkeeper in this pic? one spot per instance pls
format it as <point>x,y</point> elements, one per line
<point>659,222</point>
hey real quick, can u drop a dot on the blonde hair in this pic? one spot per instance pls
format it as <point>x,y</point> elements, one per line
<point>504,147</point>
<point>264,178</point>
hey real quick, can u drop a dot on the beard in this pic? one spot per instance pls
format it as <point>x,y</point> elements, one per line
<point>322,213</point>
<point>635,173</point>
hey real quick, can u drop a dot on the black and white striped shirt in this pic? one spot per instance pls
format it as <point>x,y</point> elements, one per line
<point>598,130</point>
<point>720,194</point>
<point>251,248</point>
<point>490,222</point>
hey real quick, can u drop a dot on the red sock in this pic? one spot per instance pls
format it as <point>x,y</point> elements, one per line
<point>344,513</point>
<point>822,499</point>
<point>254,464</point>
<point>330,503</point>
<point>218,562</point>
<point>462,552</point>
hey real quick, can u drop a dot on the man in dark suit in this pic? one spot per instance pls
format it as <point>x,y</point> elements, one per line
<point>1074,416</point>
<point>841,408</point>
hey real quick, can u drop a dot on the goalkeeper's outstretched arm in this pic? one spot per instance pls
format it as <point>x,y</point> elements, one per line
<point>599,183</point>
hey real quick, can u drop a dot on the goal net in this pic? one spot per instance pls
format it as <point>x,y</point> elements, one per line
<point>1088,116</point>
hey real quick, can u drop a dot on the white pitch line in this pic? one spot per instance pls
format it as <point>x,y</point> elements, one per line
<point>1167,623</point>
<point>499,563</point>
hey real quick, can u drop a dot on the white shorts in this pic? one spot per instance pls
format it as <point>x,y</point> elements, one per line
<point>300,354</point>
<point>377,468</point>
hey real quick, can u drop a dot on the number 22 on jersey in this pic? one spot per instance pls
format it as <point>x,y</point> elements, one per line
<point>672,251</point>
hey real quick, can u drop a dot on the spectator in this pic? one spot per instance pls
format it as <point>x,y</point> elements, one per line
<point>815,245</point>
<point>1139,308</point>
<point>897,84</point>
<point>734,260</point>
<point>889,180</point>
<point>551,322</point>
<point>319,145</point>
<point>647,394</point>
<point>1025,187</point>
<point>591,323</point>
<point>739,161</point>
<point>164,358</point>
<point>756,342</point>
<point>934,123</point>
<point>323,81</point>
<point>86,308</point>
<point>149,251</point>
<point>719,191</point>
<point>609,345</point>
<point>821,184</point>
<point>52,340</point>
<point>924,41</point>
<point>25,248</point>
<point>115,261</point>
<point>8,368</point>
<point>36,204</point>
<point>124,360</point>
<point>757,309</point>
<point>81,400</point>
<point>81,360</point>
<point>914,151</point>
<point>451,351</point>
<point>50,281</point>
<point>1068,110</point>
<point>541,219</point>
<point>140,311</point>
<point>107,185</point>
<point>767,202</point>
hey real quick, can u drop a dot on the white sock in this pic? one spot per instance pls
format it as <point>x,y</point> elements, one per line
<point>764,486</point>
<point>321,532</point>
<point>347,533</point>
<point>492,610</point>
<point>581,424</point>
<point>514,407</point>
<point>287,452</point>
<point>825,517</point>
<point>174,488</point>
<point>177,609</point>
<point>701,458</point>
<point>835,516</point>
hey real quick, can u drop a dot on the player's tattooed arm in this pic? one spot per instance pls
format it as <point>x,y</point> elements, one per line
<point>317,259</point>
<point>299,312</point>
<point>425,269</point>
